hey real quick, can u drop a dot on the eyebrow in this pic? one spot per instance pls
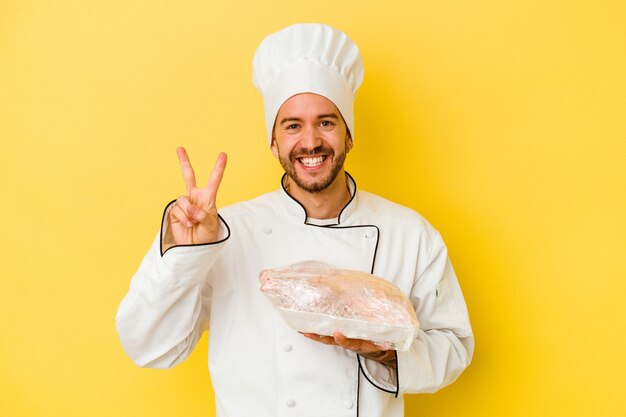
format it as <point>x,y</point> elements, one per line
<point>321,116</point>
<point>329,115</point>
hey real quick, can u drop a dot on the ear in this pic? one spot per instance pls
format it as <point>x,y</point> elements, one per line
<point>274,147</point>
<point>349,142</point>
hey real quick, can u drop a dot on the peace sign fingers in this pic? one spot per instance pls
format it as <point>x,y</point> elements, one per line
<point>194,218</point>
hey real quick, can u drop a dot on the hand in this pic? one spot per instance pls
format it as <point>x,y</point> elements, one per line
<point>193,218</point>
<point>361,347</point>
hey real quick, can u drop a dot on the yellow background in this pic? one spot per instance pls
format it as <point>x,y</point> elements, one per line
<point>501,122</point>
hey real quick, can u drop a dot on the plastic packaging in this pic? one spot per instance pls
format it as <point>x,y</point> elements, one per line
<point>314,297</point>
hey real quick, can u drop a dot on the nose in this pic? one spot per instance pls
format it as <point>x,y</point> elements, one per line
<point>310,139</point>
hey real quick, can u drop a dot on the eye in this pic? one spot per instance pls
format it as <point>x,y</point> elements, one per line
<point>326,123</point>
<point>292,126</point>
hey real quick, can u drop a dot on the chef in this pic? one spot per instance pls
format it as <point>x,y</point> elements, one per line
<point>201,272</point>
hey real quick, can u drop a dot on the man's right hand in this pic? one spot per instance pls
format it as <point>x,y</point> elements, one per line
<point>193,218</point>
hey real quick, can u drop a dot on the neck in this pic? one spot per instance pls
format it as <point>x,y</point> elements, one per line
<point>325,204</point>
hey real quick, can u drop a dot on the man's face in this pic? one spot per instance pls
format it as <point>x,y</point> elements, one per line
<point>311,141</point>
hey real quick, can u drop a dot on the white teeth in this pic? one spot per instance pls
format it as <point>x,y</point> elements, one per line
<point>312,162</point>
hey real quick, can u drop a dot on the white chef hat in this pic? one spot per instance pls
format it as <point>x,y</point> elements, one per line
<point>307,58</point>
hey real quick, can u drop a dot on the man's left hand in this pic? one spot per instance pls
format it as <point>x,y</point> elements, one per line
<point>361,347</point>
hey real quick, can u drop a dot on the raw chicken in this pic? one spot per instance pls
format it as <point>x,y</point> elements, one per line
<point>313,297</point>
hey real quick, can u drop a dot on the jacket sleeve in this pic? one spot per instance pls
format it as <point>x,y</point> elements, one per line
<point>445,343</point>
<point>166,310</point>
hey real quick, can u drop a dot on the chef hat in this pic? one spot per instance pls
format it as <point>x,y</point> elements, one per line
<point>307,58</point>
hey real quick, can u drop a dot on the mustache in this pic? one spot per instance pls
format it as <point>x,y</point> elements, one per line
<point>302,152</point>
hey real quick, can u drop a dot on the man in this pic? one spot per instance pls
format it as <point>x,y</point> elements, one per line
<point>202,270</point>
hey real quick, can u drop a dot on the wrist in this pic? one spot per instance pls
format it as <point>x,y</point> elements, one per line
<point>386,357</point>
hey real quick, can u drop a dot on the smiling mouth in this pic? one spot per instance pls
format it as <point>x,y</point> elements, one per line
<point>312,161</point>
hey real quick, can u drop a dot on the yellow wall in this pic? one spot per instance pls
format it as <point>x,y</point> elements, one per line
<point>501,122</point>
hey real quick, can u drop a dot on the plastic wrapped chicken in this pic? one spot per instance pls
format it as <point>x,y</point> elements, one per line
<point>314,297</point>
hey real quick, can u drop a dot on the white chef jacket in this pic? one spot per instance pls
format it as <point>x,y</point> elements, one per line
<point>258,365</point>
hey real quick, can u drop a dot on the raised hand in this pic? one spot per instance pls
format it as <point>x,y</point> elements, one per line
<point>193,218</point>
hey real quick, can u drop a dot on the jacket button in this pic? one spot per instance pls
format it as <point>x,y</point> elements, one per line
<point>291,403</point>
<point>267,230</point>
<point>347,403</point>
<point>287,348</point>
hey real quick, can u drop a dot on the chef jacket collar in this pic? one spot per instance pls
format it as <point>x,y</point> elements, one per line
<point>295,208</point>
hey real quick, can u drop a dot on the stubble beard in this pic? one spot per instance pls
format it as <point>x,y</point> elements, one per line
<point>314,186</point>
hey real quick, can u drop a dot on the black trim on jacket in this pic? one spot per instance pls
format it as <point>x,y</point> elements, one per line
<point>282,186</point>
<point>338,226</point>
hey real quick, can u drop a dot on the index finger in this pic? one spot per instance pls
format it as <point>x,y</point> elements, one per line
<point>185,167</point>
